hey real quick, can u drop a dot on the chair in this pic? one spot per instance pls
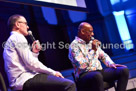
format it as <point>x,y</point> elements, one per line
<point>2,83</point>
<point>106,84</point>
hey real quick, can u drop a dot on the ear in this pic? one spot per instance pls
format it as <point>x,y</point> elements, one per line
<point>17,24</point>
<point>82,31</point>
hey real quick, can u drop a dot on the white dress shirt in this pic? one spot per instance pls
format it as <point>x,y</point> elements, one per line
<point>20,63</point>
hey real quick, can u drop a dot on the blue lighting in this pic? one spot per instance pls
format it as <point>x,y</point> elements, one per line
<point>49,15</point>
<point>124,0</point>
<point>122,26</point>
<point>113,2</point>
<point>77,16</point>
<point>123,29</point>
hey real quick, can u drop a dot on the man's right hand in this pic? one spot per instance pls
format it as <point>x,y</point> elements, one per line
<point>36,47</point>
<point>95,44</point>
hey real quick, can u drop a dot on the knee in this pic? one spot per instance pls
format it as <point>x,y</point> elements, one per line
<point>69,84</point>
<point>124,71</point>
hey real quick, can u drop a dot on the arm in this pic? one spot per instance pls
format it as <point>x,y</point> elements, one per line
<point>35,64</point>
<point>107,60</point>
<point>32,61</point>
<point>104,57</point>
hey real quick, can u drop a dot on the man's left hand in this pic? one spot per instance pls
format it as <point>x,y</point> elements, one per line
<point>58,74</point>
<point>116,65</point>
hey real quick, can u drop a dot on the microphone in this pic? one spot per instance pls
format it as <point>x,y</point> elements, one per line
<point>98,45</point>
<point>31,35</point>
<point>92,38</point>
<point>33,39</point>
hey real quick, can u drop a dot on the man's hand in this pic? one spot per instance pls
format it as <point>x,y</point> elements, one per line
<point>95,44</point>
<point>58,74</point>
<point>36,47</point>
<point>116,65</point>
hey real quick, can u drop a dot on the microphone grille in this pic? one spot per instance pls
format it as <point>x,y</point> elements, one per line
<point>30,32</point>
<point>92,38</point>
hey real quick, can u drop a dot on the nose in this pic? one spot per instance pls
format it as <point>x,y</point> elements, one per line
<point>92,34</point>
<point>27,27</point>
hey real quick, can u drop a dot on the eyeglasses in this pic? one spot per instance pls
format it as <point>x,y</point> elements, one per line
<point>23,23</point>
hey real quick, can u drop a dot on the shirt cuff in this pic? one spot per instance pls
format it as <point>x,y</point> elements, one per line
<point>54,73</point>
<point>109,61</point>
<point>35,54</point>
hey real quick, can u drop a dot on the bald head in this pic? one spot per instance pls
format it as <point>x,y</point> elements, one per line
<point>85,31</point>
<point>83,26</point>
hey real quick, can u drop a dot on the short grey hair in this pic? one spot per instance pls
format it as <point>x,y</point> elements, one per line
<point>12,19</point>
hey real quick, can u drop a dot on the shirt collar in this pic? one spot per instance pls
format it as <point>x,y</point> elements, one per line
<point>14,32</point>
<point>80,40</point>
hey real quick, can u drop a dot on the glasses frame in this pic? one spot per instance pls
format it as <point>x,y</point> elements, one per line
<point>23,23</point>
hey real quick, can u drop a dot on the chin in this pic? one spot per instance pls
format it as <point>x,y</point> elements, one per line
<point>26,34</point>
<point>89,39</point>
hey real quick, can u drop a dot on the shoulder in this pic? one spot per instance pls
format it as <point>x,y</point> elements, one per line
<point>17,37</point>
<point>74,44</point>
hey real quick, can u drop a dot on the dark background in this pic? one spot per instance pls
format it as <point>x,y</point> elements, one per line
<point>99,15</point>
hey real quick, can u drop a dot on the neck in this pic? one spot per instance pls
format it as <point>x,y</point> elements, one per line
<point>16,30</point>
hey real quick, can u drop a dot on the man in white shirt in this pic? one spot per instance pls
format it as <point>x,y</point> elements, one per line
<point>25,72</point>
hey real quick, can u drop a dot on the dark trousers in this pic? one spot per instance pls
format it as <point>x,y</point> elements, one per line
<point>44,82</point>
<point>93,81</point>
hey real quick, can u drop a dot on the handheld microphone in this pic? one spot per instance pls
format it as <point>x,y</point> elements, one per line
<point>31,35</point>
<point>33,39</point>
<point>92,38</point>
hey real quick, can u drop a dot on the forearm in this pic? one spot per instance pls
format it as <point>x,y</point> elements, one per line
<point>31,61</point>
<point>107,61</point>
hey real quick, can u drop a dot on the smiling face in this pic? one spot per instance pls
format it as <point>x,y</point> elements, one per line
<point>85,31</point>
